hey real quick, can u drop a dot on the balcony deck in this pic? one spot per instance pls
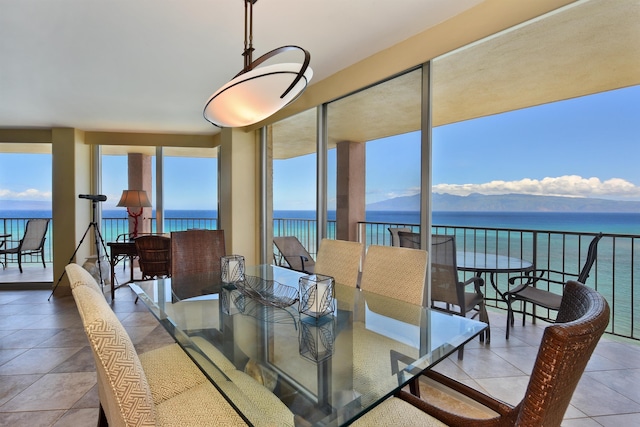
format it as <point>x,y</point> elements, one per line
<point>47,375</point>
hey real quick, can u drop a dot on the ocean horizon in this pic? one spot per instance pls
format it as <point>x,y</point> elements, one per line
<point>588,222</point>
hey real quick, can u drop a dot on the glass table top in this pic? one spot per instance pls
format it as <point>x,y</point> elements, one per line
<point>325,371</point>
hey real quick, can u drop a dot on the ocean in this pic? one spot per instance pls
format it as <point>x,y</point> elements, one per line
<point>610,223</point>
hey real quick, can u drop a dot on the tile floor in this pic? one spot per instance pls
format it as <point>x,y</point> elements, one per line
<point>47,376</point>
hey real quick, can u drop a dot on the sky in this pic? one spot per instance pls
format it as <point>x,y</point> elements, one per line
<point>583,147</point>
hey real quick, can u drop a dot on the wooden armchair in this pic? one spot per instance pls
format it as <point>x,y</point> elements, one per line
<point>32,243</point>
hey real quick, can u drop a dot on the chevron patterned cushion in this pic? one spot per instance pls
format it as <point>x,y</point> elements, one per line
<point>124,392</point>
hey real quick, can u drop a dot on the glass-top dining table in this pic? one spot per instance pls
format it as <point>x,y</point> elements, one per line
<point>326,371</point>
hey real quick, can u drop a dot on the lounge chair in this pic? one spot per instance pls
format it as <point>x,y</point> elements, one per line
<point>294,255</point>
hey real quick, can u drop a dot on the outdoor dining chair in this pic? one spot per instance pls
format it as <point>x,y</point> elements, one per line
<point>528,291</point>
<point>448,292</point>
<point>32,243</point>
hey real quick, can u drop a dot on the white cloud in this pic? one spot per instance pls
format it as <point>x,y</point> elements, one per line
<point>566,186</point>
<point>29,194</point>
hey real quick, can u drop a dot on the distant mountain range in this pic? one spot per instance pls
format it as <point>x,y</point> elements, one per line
<point>507,203</point>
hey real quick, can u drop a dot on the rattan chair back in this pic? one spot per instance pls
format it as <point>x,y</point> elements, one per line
<point>196,251</point>
<point>341,260</point>
<point>154,256</point>
<point>563,355</point>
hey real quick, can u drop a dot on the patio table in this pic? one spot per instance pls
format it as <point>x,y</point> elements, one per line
<point>493,264</point>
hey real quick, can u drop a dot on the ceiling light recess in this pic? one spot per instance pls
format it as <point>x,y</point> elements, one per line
<point>256,93</point>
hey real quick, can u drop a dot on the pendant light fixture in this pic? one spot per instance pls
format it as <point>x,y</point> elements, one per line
<point>256,93</point>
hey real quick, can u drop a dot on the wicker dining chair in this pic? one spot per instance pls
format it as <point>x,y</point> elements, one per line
<point>196,251</point>
<point>564,352</point>
<point>154,256</point>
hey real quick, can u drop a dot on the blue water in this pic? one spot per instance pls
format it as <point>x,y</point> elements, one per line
<point>617,223</point>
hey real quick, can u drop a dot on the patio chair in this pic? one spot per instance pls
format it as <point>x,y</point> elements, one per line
<point>446,288</point>
<point>196,251</point>
<point>341,260</point>
<point>398,273</point>
<point>562,357</point>
<point>527,290</point>
<point>154,256</point>
<point>32,243</point>
<point>395,240</point>
<point>294,254</point>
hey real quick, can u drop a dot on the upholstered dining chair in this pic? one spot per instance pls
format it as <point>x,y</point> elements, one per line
<point>141,390</point>
<point>395,272</point>
<point>563,354</point>
<point>154,256</point>
<point>341,260</point>
<point>32,242</point>
<point>294,254</point>
<point>196,251</point>
<point>527,290</point>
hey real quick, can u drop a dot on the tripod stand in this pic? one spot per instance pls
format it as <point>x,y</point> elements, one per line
<point>98,239</point>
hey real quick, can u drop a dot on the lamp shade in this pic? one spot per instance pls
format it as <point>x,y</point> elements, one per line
<point>134,199</point>
<point>255,95</point>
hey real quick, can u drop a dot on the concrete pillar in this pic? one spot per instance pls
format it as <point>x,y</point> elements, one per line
<point>239,213</point>
<point>71,170</point>
<point>350,191</point>
<point>139,174</point>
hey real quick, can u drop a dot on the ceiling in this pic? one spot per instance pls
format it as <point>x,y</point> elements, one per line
<point>150,65</point>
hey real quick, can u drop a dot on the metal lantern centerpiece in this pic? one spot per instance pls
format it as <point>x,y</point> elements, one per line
<point>232,268</point>
<point>316,295</point>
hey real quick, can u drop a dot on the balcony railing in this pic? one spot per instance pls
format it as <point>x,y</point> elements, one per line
<point>615,274</point>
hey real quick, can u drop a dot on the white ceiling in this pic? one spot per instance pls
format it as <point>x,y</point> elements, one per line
<point>150,65</point>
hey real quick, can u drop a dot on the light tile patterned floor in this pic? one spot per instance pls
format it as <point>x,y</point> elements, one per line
<point>47,375</point>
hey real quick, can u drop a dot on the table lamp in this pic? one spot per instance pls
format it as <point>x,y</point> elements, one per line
<point>134,199</point>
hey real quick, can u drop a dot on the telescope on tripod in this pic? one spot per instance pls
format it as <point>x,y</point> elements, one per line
<point>95,198</point>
